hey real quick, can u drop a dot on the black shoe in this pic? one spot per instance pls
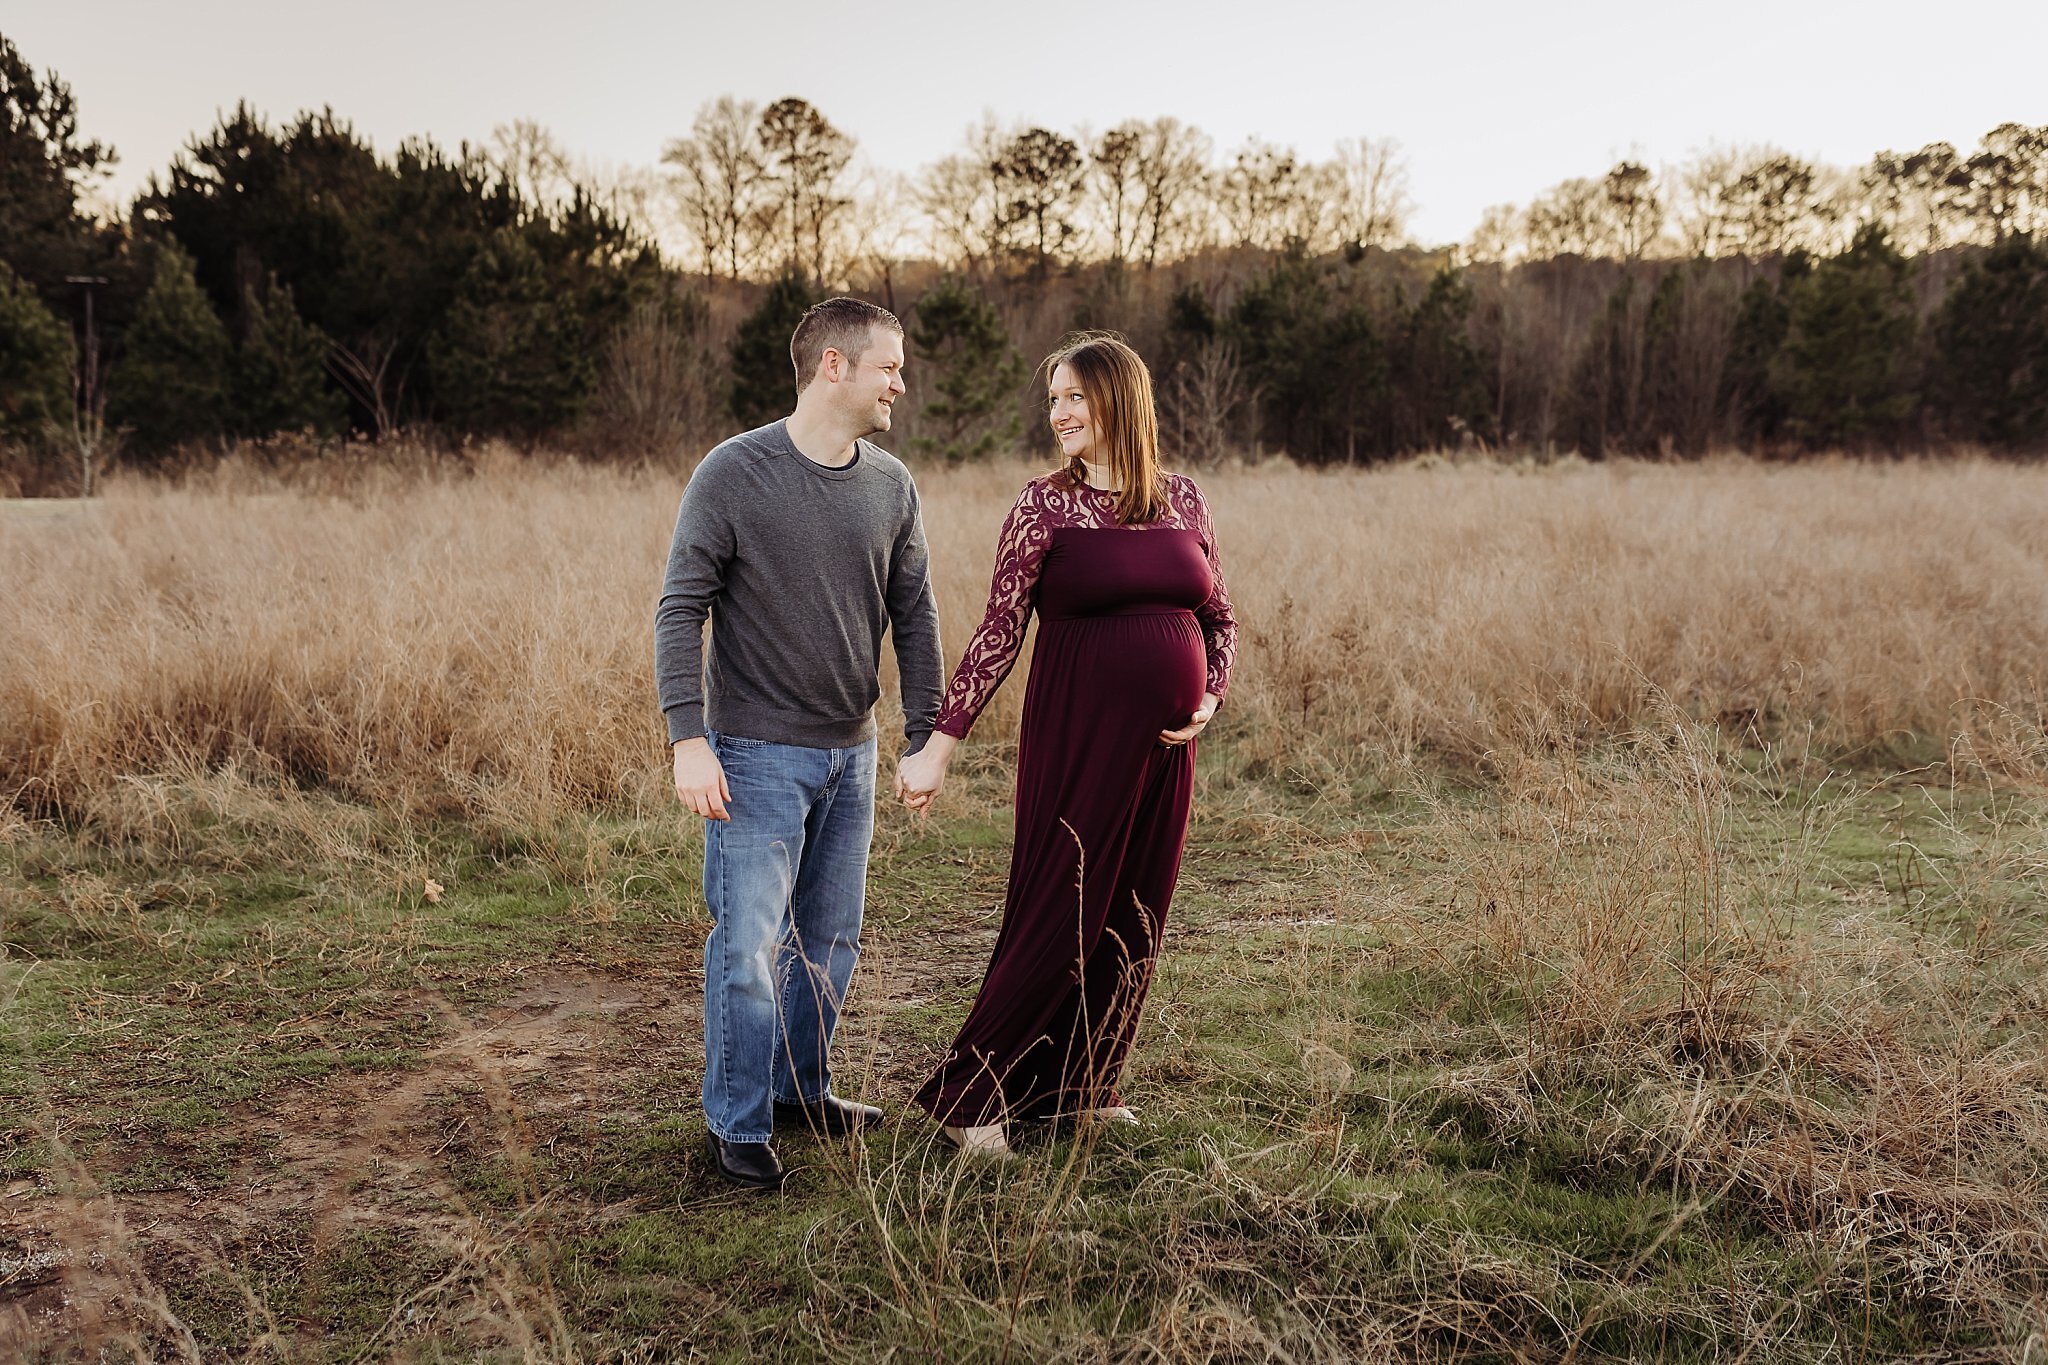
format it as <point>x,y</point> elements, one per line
<point>830,1115</point>
<point>753,1164</point>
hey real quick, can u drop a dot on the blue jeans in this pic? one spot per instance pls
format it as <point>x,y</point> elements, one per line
<point>785,879</point>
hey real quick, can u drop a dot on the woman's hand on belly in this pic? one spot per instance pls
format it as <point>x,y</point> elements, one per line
<point>1196,722</point>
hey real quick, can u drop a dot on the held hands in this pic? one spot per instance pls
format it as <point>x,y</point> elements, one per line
<point>700,781</point>
<point>701,785</point>
<point>919,776</point>
<point>1174,738</point>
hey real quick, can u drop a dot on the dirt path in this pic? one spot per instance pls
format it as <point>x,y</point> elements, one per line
<point>379,1158</point>
<point>363,1153</point>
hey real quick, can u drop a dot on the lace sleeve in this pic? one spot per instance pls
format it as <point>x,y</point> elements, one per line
<point>1219,623</point>
<point>993,650</point>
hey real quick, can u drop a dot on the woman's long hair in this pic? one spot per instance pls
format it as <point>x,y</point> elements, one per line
<point>1118,388</point>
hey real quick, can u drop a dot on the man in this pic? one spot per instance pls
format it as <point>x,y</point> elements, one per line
<point>803,544</point>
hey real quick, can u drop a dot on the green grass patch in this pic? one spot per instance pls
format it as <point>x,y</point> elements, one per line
<point>1542,1069</point>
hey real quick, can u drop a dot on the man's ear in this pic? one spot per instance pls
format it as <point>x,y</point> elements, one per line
<point>832,366</point>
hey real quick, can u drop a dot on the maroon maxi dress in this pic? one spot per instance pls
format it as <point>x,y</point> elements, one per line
<point>1134,625</point>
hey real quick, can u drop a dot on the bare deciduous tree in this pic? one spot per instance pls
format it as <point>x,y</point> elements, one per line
<point>1037,174</point>
<point>1884,187</point>
<point>1203,398</point>
<point>875,240</point>
<point>1372,185</point>
<point>1149,191</point>
<point>1923,197</point>
<point>528,159</point>
<point>1634,210</point>
<point>94,445</point>
<point>2027,148</point>
<point>805,155</point>
<point>957,196</point>
<point>1566,221</point>
<point>1620,214</point>
<point>719,183</point>
<point>1115,190</point>
<point>1705,185</point>
<point>657,391</point>
<point>1771,203</point>
<point>364,373</point>
<point>1172,166</point>
<point>1836,209</point>
<point>959,209</point>
<point>1258,195</point>
<point>1687,389</point>
<point>1998,179</point>
<point>634,195</point>
<point>1493,241</point>
<point>1310,217</point>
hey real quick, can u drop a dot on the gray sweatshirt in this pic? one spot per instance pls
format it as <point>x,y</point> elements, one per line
<point>801,569</point>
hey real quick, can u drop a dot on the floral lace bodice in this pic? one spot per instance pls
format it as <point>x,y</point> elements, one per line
<point>1045,505</point>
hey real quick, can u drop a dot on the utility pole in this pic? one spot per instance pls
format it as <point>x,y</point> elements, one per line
<point>88,400</point>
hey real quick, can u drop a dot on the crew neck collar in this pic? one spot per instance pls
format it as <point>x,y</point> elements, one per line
<point>823,471</point>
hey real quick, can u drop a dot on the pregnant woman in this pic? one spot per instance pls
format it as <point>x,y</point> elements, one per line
<point>1135,645</point>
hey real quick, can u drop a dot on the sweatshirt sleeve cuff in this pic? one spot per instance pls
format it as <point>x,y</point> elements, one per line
<point>685,721</point>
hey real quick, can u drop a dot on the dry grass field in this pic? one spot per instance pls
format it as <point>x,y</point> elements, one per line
<point>481,643</point>
<point>1613,928</point>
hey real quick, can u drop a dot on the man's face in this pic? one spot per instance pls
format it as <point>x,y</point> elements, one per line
<point>875,381</point>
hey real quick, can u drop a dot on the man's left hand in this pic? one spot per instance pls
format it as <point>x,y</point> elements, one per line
<point>919,776</point>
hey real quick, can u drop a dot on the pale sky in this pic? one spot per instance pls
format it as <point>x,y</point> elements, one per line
<point>1492,102</point>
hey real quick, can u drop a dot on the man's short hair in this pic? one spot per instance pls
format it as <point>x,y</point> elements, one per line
<point>841,324</point>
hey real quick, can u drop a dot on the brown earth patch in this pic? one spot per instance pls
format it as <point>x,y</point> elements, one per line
<point>82,1266</point>
<point>389,1159</point>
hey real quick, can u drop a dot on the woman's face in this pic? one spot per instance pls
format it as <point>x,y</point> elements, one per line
<point>1067,408</point>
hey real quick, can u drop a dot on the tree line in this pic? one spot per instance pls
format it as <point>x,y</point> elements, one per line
<point>290,279</point>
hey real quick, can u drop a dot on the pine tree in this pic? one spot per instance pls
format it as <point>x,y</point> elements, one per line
<point>1189,314</point>
<point>1845,367</point>
<point>1604,412</point>
<point>1191,323</point>
<point>35,364</point>
<point>1762,321</point>
<point>382,254</point>
<point>509,356</point>
<point>1318,364</point>
<point>1435,372</point>
<point>171,383</point>
<point>763,385</point>
<point>1106,304</point>
<point>44,166</point>
<point>281,371</point>
<point>960,336</point>
<point>1991,348</point>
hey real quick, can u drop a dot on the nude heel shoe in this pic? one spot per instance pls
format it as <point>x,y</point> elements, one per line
<point>987,1140</point>
<point>1118,1114</point>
